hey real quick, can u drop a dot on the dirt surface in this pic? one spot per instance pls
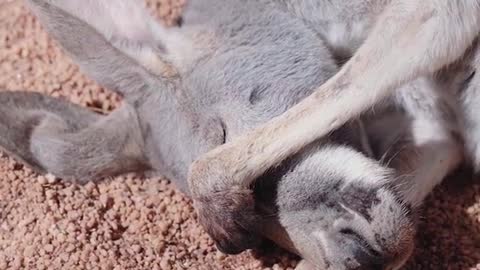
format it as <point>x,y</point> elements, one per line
<point>131,222</point>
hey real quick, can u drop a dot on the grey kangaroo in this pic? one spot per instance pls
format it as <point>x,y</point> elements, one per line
<point>348,202</point>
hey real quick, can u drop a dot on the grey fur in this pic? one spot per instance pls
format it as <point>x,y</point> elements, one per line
<point>229,67</point>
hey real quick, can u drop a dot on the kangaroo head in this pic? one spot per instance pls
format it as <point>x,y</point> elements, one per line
<point>242,62</point>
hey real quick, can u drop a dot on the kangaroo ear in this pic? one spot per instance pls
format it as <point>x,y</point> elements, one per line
<point>22,113</point>
<point>115,42</point>
<point>53,135</point>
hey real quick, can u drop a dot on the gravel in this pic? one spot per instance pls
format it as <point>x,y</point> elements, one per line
<point>132,222</point>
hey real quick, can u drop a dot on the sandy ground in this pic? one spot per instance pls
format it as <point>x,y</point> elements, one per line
<point>131,222</point>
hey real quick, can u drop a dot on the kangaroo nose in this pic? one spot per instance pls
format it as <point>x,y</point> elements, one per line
<point>367,260</point>
<point>365,257</point>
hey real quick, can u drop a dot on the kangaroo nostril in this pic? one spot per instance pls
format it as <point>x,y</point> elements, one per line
<point>367,261</point>
<point>360,241</point>
<point>228,247</point>
<point>366,257</point>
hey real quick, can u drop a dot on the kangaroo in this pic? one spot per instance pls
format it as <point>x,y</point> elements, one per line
<point>348,202</point>
<point>405,38</point>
